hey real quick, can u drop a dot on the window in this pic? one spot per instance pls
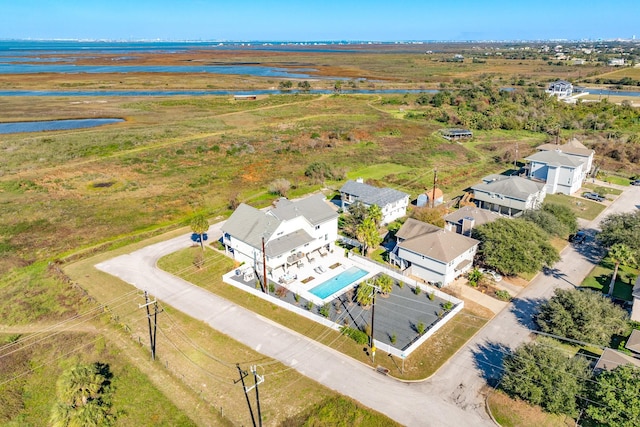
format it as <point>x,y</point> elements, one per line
<point>317,227</point>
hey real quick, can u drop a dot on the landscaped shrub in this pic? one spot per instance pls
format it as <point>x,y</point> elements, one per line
<point>324,310</point>
<point>355,334</point>
<point>432,296</point>
<point>417,290</point>
<point>420,327</point>
<point>447,305</point>
<point>503,295</point>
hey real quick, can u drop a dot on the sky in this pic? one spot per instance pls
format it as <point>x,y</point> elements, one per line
<point>288,20</point>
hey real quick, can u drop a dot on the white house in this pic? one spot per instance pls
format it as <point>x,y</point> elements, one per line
<point>508,195</point>
<point>432,253</point>
<point>616,62</point>
<point>561,173</point>
<point>560,88</point>
<point>393,203</point>
<point>292,230</point>
<point>574,149</point>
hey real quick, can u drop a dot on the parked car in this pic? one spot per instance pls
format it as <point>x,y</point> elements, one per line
<point>593,196</point>
<point>495,276</point>
<point>636,182</point>
<point>579,237</point>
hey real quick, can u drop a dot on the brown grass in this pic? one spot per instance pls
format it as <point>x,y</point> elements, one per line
<point>517,413</point>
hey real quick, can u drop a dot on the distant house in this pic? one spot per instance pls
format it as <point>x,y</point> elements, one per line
<point>560,88</point>
<point>560,172</point>
<point>393,203</point>
<point>616,62</point>
<point>456,134</point>
<point>291,231</point>
<point>508,195</point>
<point>574,149</point>
<point>635,310</point>
<point>245,97</point>
<point>424,199</point>
<point>467,218</point>
<point>432,253</point>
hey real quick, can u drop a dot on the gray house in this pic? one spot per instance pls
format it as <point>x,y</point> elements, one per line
<point>467,218</point>
<point>393,203</point>
<point>508,195</point>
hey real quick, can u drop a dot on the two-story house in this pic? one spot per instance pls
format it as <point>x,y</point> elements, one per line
<point>575,150</point>
<point>561,173</point>
<point>432,253</point>
<point>508,195</point>
<point>290,231</point>
<point>392,203</point>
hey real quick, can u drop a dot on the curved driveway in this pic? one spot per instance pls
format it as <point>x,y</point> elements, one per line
<point>452,397</point>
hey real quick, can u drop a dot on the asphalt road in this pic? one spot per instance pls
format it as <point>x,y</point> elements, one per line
<point>452,397</point>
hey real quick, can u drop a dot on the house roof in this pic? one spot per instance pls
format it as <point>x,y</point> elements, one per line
<point>633,343</point>
<point>250,225</point>
<point>370,195</point>
<point>561,83</point>
<point>433,242</point>
<point>287,243</point>
<point>574,147</point>
<point>313,208</point>
<point>479,216</point>
<point>512,186</point>
<point>611,359</point>
<point>554,158</point>
<point>636,288</point>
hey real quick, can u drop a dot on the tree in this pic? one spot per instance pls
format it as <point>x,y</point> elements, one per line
<point>304,86</point>
<point>84,397</point>
<point>545,376</point>
<point>564,214</point>
<point>619,254</point>
<point>200,225</point>
<point>375,213</point>
<point>581,315</point>
<point>621,228</point>
<point>433,216</point>
<point>367,234</point>
<point>364,294</point>
<point>385,284</point>
<point>474,277</point>
<point>546,221</point>
<point>514,246</point>
<point>618,393</point>
<point>280,187</point>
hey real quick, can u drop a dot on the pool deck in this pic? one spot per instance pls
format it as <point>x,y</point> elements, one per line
<point>309,273</point>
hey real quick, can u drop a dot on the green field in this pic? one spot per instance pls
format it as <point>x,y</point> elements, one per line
<point>583,208</point>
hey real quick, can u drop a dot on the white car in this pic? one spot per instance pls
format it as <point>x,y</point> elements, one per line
<point>495,276</point>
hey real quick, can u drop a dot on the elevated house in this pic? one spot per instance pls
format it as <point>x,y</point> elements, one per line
<point>431,253</point>
<point>456,134</point>
<point>573,149</point>
<point>467,218</point>
<point>635,310</point>
<point>560,88</point>
<point>560,173</point>
<point>508,195</point>
<point>393,203</point>
<point>292,230</point>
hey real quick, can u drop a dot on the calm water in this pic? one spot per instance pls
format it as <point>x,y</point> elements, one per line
<point>20,127</point>
<point>201,92</point>
<point>338,282</point>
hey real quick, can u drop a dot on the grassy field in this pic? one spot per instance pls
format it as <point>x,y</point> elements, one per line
<point>583,208</point>
<point>600,277</point>
<point>517,413</point>
<point>602,190</point>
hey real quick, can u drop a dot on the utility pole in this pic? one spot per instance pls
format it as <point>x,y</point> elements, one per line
<point>515,158</point>
<point>433,193</point>
<point>373,316</point>
<point>265,288</point>
<point>152,331</point>
<point>258,380</point>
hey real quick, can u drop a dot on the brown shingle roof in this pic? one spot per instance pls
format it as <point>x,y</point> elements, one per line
<point>611,359</point>
<point>633,343</point>
<point>433,242</point>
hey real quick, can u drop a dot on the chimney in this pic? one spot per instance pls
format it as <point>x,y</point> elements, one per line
<point>467,225</point>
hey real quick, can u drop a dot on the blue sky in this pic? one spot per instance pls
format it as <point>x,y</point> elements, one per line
<point>326,20</point>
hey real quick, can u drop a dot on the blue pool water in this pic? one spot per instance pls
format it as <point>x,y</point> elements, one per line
<point>19,127</point>
<point>338,282</point>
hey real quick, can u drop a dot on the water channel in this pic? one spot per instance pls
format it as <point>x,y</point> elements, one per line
<point>40,126</point>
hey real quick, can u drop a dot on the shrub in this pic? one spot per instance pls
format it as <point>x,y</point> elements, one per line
<point>447,305</point>
<point>432,296</point>
<point>417,290</point>
<point>503,295</point>
<point>355,334</point>
<point>309,305</point>
<point>393,338</point>
<point>420,327</point>
<point>281,292</point>
<point>272,288</point>
<point>296,297</point>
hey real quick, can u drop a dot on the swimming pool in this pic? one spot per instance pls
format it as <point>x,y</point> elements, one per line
<point>338,282</point>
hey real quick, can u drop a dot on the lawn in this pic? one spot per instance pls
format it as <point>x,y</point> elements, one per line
<point>618,180</point>
<point>602,190</point>
<point>510,412</point>
<point>583,208</point>
<point>600,278</point>
<point>377,171</point>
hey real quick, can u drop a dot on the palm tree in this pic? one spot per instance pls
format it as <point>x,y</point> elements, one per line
<point>619,254</point>
<point>364,294</point>
<point>385,284</point>
<point>367,234</point>
<point>200,225</point>
<point>375,213</point>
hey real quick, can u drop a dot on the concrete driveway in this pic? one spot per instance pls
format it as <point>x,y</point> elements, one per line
<point>452,397</point>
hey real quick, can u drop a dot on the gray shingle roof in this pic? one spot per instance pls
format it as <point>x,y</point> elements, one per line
<point>434,242</point>
<point>511,186</point>
<point>554,158</point>
<point>313,208</point>
<point>633,343</point>
<point>370,195</point>
<point>480,216</point>
<point>574,147</point>
<point>287,243</point>
<point>611,359</point>
<point>250,225</point>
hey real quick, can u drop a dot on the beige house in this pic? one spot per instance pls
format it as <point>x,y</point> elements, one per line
<point>431,253</point>
<point>508,195</point>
